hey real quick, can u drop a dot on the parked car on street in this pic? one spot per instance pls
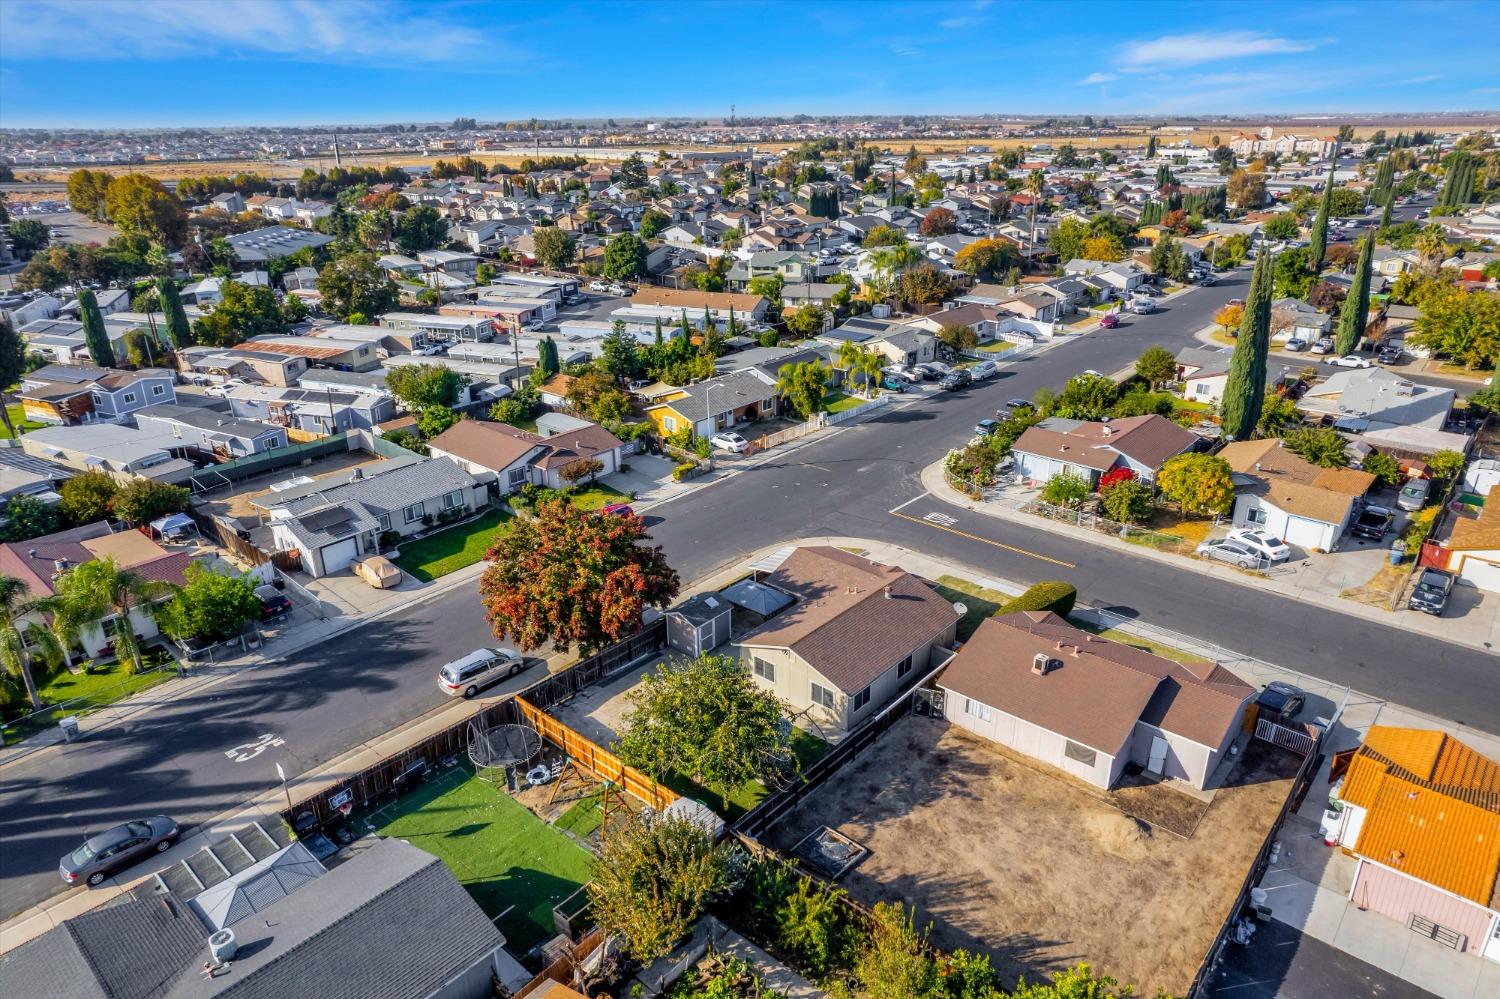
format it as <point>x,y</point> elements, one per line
<point>1323,345</point>
<point>1388,354</point>
<point>1413,495</point>
<point>1142,306</point>
<point>1295,346</point>
<point>117,848</point>
<point>955,380</point>
<point>1208,280</point>
<point>986,427</point>
<point>1372,523</point>
<point>479,669</point>
<point>1232,552</point>
<point>729,441</point>
<point>225,387</point>
<point>1281,698</point>
<point>1109,321</point>
<point>273,603</point>
<point>1431,594</point>
<point>1265,544</point>
<point>1349,361</point>
<point>892,383</point>
<point>1018,404</point>
<point>984,370</point>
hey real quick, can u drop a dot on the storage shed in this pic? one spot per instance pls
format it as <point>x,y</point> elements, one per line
<point>699,624</point>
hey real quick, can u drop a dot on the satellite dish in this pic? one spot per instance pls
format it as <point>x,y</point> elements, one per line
<point>962,609</point>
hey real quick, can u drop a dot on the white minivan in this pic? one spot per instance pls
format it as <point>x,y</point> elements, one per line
<point>479,669</point>
<point>984,370</point>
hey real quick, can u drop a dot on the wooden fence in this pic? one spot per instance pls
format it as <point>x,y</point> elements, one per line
<point>595,758</point>
<point>562,969</point>
<point>585,673</point>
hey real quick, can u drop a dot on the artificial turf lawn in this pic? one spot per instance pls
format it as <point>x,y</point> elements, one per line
<point>450,550</point>
<point>504,855</point>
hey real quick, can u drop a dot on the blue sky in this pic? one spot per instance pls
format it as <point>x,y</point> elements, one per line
<point>210,62</point>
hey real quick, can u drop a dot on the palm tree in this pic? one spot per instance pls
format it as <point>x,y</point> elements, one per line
<point>855,360</point>
<point>1035,184</point>
<point>891,260</point>
<point>15,603</point>
<point>97,590</point>
<point>1432,248</point>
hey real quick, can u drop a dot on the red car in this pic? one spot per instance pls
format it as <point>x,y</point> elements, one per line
<point>617,510</point>
<point>1109,321</point>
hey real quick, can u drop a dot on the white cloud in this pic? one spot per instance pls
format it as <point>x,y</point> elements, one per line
<point>1193,49</point>
<point>908,51</point>
<point>955,23</point>
<point>1093,78</point>
<point>302,30</point>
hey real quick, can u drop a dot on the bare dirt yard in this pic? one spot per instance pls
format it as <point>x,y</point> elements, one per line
<point>1007,856</point>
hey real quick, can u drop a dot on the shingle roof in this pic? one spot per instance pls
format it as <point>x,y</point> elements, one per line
<point>132,950</point>
<point>1101,689</point>
<point>1150,439</point>
<point>499,445</point>
<point>1482,532</point>
<point>1294,484</point>
<point>1433,809</point>
<point>726,393</point>
<point>36,570</point>
<point>843,625</point>
<point>1064,447</point>
<point>394,489</point>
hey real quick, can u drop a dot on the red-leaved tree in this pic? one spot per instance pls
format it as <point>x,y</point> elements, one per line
<point>573,578</point>
<point>1114,475</point>
<point>939,222</point>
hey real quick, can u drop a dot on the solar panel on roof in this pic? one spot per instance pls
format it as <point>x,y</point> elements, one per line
<point>336,521</point>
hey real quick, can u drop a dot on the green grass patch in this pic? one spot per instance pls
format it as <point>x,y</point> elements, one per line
<point>583,817</point>
<point>505,856</point>
<point>17,414</point>
<point>1145,644</point>
<point>997,346</point>
<point>837,402</point>
<point>806,747</point>
<point>1180,405</point>
<point>597,497</point>
<point>450,550</point>
<point>981,602</point>
<point>82,693</point>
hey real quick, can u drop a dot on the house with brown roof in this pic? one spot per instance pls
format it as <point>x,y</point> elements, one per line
<point>41,563</point>
<point>857,633</point>
<point>1089,448</point>
<point>1288,496</point>
<point>746,307</point>
<point>1088,706</point>
<point>510,457</point>
<point>1472,547</point>
<point>1421,811</point>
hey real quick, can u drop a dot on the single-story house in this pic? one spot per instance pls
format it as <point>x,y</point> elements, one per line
<point>345,355</point>
<point>392,922</point>
<point>1288,496</point>
<point>510,457</point>
<point>1121,277</point>
<point>126,452</point>
<point>1473,545</point>
<point>857,634</point>
<point>1089,448</point>
<point>747,308</point>
<point>715,404</point>
<point>1035,684</point>
<point>22,474</point>
<point>1204,372</point>
<point>1294,319</point>
<point>1364,399</point>
<point>242,362</point>
<point>333,527</point>
<point>1421,812</point>
<point>41,562</point>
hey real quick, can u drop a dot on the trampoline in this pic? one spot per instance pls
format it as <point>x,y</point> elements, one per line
<point>498,751</point>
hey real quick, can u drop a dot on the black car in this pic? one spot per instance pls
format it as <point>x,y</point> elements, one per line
<point>1431,594</point>
<point>1372,524</point>
<point>273,603</point>
<point>113,849</point>
<point>955,380</point>
<point>1282,698</point>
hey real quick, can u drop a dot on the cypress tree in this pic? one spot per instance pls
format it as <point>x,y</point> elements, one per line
<point>658,331</point>
<point>684,332</point>
<point>1385,213</point>
<point>178,331</point>
<point>732,324</point>
<point>547,358</point>
<point>1319,244</point>
<point>94,336</point>
<point>1245,388</point>
<point>1357,304</point>
<point>1150,147</point>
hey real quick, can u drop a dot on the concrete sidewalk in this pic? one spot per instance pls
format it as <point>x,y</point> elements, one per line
<point>1477,630</point>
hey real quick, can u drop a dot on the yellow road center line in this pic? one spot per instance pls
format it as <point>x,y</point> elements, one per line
<point>987,541</point>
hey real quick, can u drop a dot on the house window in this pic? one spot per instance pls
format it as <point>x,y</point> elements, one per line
<point>273,443</point>
<point>977,710</point>
<point>384,520</point>
<point>860,699</point>
<point>129,398</point>
<point>516,478</point>
<point>453,499</point>
<point>1200,388</point>
<point>763,669</point>
<point>1256,515</point>
<point>903,667</point>
<point>413,513</point>
<point>668,424</point>
<point>1080,754</point>
<point>97,400</point>
<point>822,695</point>
<point>158,390</point>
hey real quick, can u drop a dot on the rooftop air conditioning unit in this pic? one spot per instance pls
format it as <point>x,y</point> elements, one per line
<point>222,946</point>
<point>1041,663</point>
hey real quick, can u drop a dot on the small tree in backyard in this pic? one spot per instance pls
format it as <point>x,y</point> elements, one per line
<point>803,385</point>
<point>579,469</point>
<point>1387,470</point>
<point>1197,483</point>
<point>433,420</point>
<point>1157,366</point>
<point>1127,501</point>
<point>85,498</point>
<point>141,501</point>
<point>1323,446</point>
<point>597,394</point>
<point>652,881</point>
<point>1066,489</point>
<point>1278,414</point>
<point>618,352</point>
<point>210,606</point>
<point>708,720</point>
<point>807,320</point>
<point>1446,465</point>
<point>554,248</point>
<point>571,578</point>
<point>939,222</point>
<point>957,337</point>
<point>27,517</point>
<point>422,385</point>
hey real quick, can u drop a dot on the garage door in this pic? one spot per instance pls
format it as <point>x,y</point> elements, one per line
<point>1305,533</point>
<point>1482,573</point>
<point>338,555</point>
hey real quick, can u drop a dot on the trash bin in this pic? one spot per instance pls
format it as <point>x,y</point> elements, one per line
<point>1398,551</point>
<point>69,726</point>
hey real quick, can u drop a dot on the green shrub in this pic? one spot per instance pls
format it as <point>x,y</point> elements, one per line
<point>684,470</point>
<point>1054,595</point>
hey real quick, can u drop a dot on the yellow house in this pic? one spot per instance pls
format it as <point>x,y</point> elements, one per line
<point>714,405</point>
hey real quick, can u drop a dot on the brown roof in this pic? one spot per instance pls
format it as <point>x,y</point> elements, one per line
<point>33,562</point>
<point>1482,532</point>
<point>499,445</point>
<point>842,624</point>
<point>1064,447</point>
<point>1101,689</point>
<point>1150,439</point>
<point>688,298</point>
<point>1295,484</point>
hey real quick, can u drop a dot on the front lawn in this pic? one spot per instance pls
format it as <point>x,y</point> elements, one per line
<point>449,550</point>
<point>837,402</point>
<point>805,746</point>
<point>997,346</point>
<point>81,693</point>
<point>516,866</point>
<point>597,497</point>
<point>979,601</point>
<point>18,420</point>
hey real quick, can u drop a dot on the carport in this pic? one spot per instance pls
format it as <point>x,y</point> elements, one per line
<point>755,603</point>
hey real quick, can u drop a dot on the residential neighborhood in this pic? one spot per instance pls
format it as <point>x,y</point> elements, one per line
<point>895,535</point>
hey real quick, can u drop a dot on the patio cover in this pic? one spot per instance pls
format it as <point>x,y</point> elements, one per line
<point>758,597</point>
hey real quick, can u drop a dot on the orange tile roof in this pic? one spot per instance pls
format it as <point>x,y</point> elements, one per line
<point>1433,809</point>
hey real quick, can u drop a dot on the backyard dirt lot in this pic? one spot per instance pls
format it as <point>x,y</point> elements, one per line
<point>1007,856</point>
